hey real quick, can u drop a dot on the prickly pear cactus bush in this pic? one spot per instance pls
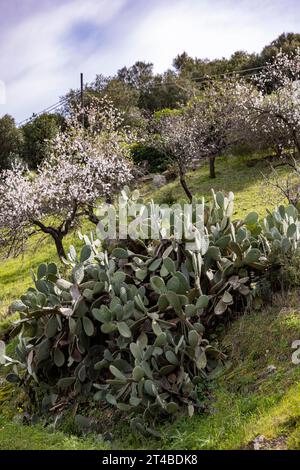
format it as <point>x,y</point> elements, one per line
<point>126,329</point>
<point>281,229</point>
<point>129,327</point>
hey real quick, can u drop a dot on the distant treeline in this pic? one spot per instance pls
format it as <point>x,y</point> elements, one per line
<point>136,91</point>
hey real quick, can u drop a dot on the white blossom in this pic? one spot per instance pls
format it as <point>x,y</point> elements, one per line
<point>84,165</point>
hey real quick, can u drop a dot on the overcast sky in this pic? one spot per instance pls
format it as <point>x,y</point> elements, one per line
<point>45,44</point>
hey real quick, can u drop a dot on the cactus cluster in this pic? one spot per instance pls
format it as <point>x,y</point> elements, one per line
<point>281,229</point>
<point>129,327</point>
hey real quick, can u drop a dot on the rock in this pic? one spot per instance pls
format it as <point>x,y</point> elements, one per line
<point>171,173</point>
<point>271,369</point>
<point>282,357</point>
<point>286,311</point>
<point>159,181</point>
<point>262,443</point>
<point>144,179</point>
<point>258,442</point>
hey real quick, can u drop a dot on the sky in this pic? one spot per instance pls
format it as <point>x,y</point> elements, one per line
<point>45,44</point>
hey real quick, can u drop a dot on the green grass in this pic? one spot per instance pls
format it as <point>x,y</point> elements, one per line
<point>15,273</point>
<point>242,176</point>
<point>14,436</point>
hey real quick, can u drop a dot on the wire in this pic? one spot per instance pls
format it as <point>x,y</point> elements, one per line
<point>237,71</point>
<point>195,79</point>
<point>199,80</point>
<point>51,108</point>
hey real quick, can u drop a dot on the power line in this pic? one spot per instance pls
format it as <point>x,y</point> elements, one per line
<point>195,79</point>
<point>50,108</point>
<point>203,79</point>
<point>237,71</point>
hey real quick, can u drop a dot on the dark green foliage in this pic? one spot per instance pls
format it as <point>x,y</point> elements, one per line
<point>156,160</point>
<point>36,135</point>
<point>10,141</point>
<point>139,92</point>
<point>285,42</point>
<point>290,270</point>
<point>287,272</point>
<point>199,68</point>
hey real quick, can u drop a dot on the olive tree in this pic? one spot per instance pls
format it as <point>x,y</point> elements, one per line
<point>36,136</point>
<point>10,141</point>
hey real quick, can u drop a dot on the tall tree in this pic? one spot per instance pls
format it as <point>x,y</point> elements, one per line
<point>168,90</point>
<point>139,75</point>
<point>174,135</point>
<point>37,134</point>
<point>275,109</point>
<point>10,141</point>
<point>285,42</point>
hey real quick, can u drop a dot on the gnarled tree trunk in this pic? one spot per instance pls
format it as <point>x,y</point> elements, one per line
<point>57,236</point>
<point>212,170</point>
<point>184,184</point>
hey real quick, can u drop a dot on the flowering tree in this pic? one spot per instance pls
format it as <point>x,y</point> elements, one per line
<point>274,110</point>
<point>280,189</point>
<point>84,164</point>
<point>216,116</point>
<point>176,138</point>
<point>272,119</point>
<point>202,130</point>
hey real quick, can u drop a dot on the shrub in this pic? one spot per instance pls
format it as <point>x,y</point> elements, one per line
<point>156,160</point>
<point>287,274</point>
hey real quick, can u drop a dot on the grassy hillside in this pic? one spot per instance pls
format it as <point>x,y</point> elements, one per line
<point>250,399</point>
<point>242,176</point>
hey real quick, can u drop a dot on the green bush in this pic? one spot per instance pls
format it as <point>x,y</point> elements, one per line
<point>157,161</point>
<point>287,274</point>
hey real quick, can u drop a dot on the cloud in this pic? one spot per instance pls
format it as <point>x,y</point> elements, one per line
<point>209,28</point>
<point>47,44</point>
<point>38,63</point>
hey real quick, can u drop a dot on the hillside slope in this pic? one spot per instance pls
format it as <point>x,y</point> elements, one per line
<point>240,175</point>
<point>258,395</point>
<point>255,401</point>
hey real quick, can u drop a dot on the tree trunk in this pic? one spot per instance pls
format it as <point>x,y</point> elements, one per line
<point>297,143</point>
<point>184,185</point>
<point>278,151</point>
<point>57,237</point>
<point>212,171</point>
<point>91,216</point>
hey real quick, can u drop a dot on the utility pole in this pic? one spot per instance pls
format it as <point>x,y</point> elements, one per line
<point>82,98</point>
